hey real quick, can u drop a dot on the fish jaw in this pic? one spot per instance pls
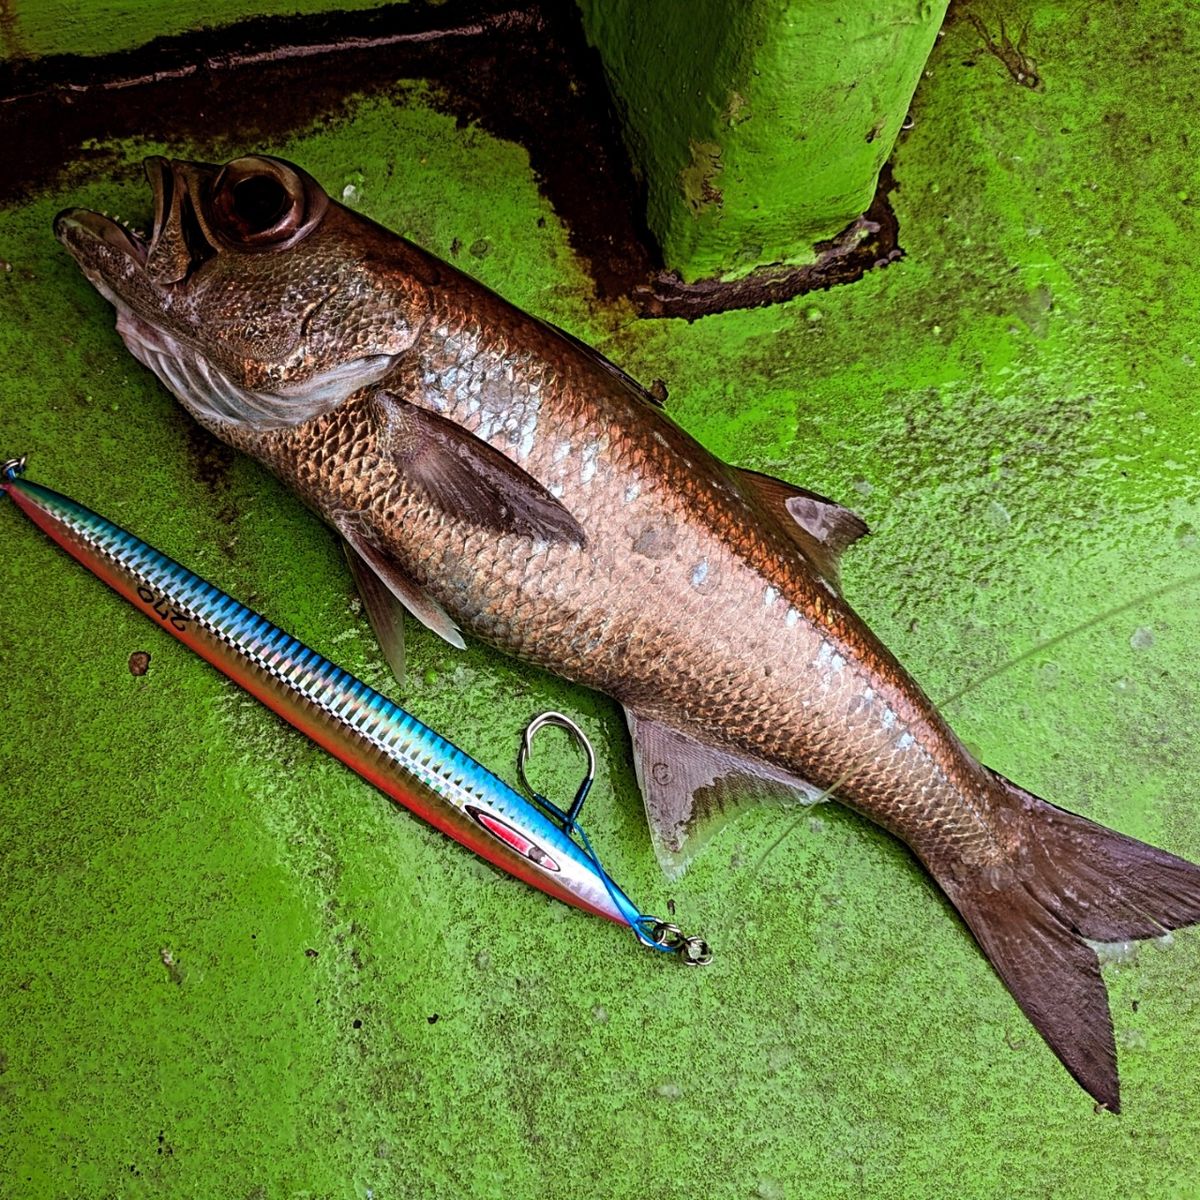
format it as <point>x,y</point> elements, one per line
<point>263,327</point>
<point>111,256</point>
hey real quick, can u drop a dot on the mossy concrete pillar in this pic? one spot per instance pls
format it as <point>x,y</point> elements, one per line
<point>760,126</point>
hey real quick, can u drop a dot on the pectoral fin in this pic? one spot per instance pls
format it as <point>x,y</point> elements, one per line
<point>389,575</point>
<point>465,476</point>
<point>690,790</point>
<point>821,528</point>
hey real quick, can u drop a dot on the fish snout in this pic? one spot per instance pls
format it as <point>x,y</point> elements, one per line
<point>87,235</point>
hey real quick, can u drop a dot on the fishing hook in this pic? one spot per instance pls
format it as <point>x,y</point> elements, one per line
<point>652,931</point>
<point>566,819</point>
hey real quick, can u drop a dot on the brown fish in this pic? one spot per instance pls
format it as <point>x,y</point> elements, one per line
<point>492,474</point>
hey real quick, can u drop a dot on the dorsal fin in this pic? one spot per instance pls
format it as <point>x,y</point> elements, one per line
<point>821,528</point>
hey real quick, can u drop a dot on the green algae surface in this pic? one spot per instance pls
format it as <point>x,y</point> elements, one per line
<point>35,28</point>
<point>232,969</point>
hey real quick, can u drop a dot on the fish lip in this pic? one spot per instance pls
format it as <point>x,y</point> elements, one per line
<point>75,223</point>
<point>162,184</point>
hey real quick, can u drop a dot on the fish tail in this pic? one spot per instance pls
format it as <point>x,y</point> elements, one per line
<point>1078,882</point>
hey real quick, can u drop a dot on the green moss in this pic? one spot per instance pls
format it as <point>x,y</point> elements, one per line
<point>35,28</point>
<point>1011,407</point>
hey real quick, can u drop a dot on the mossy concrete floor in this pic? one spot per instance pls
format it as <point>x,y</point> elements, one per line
<point>230,969</point>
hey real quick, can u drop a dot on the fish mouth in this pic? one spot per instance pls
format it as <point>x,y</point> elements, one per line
<point>73,224</point>
<point>92,237</point>
<point>145,279</point>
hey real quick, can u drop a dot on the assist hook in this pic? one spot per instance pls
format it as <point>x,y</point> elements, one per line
<point>567,820</point>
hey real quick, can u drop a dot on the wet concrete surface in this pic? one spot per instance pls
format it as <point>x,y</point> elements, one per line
<point>223,952</point>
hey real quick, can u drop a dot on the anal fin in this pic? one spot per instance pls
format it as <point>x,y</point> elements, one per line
<point>690,789</point>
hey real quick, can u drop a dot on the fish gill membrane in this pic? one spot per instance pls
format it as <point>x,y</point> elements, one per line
<point>1085,895</point>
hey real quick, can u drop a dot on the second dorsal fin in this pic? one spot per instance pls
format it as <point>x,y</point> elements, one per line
<point>821,528</point>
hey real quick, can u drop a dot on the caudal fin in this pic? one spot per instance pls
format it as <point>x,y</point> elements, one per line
<point>1078,881</point>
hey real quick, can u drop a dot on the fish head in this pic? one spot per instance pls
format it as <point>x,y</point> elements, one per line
<point>256,299</point>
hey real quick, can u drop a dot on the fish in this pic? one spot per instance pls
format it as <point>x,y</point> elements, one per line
<point>495,477</point>
<point>388,747</point>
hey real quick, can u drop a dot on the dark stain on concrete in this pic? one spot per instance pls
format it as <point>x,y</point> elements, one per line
<point>1013,55</point>
<point>871,241</point>
<point>210,458</point>
<point>696,180</point>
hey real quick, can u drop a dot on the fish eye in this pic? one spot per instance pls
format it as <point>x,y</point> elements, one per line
<point>261,202</point>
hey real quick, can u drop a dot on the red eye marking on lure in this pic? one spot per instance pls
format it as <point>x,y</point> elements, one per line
<point>514,838</point>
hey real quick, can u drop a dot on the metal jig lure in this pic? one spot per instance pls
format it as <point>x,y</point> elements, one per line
<point>390,748</point>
